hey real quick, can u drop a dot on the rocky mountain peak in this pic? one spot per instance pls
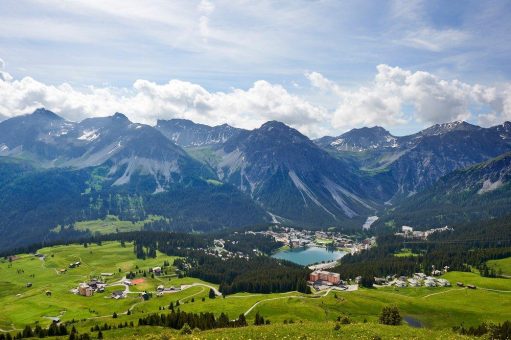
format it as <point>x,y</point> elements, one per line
<point>186,133</point>
<point>120,116</point>
<point>42,112</point>
<point>439,129</point>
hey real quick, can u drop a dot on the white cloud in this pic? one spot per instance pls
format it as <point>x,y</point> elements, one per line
<point>395,96</point>
<point>435,40</point>
<point>318,80</point>
<point>410,25</point>
<point>147,101</point>
<point>433,100</point>
<point>206,7</point>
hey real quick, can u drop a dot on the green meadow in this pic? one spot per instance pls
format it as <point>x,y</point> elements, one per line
<point>504,265</point>
<point>21,305</point>
<point>436,309</point>
<point>111,224</point>
<point>405,252</point>
<point>305,330</point>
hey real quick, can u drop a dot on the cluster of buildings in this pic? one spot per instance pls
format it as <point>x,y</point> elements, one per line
<point>89,288</point>
<point>417,280</point>
<point>306,238</point>
<point>219,250</point>
<point>408,232</point>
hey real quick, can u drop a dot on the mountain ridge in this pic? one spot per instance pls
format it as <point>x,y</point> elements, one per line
<point>478,192</point>
<point>186,133</point>
<point>274,170</point>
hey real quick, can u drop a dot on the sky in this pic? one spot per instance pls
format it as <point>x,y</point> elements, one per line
<point>322,67</point>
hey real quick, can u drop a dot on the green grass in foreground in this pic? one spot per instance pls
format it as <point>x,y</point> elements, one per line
<point>437,309</point>
<point>306,330</point>
<point>504,265</point>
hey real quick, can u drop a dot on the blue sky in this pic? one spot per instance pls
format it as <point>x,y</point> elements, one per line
<point>321,66</point>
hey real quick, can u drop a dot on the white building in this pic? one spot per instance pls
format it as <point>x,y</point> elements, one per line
<point>406,229</point>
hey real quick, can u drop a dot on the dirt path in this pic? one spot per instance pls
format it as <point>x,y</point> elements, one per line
<point>11,330</point>
<point>189,296</point>
<point>442,292</point>
<point>314,296</point>
<point>217,292</point>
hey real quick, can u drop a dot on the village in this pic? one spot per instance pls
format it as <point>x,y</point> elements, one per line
<point>95,285</point>
<point>321,280</point>
<point>408,232</point>
<point>295,238</point>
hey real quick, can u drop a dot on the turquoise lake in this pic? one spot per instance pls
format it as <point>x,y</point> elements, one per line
<point>309,255</point>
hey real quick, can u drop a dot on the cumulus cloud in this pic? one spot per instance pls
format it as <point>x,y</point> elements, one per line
<point>4,75</point>
<point>433,100</point>
<point>321,82</point>
<point>147,101</point>
<point>395,96</point>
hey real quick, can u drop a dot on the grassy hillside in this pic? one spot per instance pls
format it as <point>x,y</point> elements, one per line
<point>436,309</point>
<point>306,330</point>
<point>112,224</point>
<point>503,265</point>
<point>479,192</point>
<point>22,305</point>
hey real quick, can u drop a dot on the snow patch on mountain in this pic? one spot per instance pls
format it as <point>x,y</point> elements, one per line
<point>369,222</point>
<point>488,186</point>
<point>89,135</point>
<point>115,148</point>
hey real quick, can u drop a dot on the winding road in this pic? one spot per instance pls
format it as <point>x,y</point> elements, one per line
<point>314,296</point>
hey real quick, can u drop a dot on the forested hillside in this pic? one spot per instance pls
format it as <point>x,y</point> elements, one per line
<point>479,192</point>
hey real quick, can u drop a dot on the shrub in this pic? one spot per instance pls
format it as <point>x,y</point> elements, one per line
<point>344,319</point>
<point>390,316</point>
<point>186,329</point>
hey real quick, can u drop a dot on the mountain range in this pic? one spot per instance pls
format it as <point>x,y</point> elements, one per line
<point>204,178</point>
<point>417,161</point>
<point>478,192</point>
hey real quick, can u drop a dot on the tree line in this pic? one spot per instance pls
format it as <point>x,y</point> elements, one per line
<point>468,246</point>
<point>177,319</point>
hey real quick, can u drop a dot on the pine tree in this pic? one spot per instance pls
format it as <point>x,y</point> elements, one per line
<point>390,316</point>
<point>242,321</point>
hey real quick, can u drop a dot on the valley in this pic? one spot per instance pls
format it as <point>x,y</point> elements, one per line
<point>436,309</point>
<point>205,178</point>
<point>130,230</point>
<point>255,170</point>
